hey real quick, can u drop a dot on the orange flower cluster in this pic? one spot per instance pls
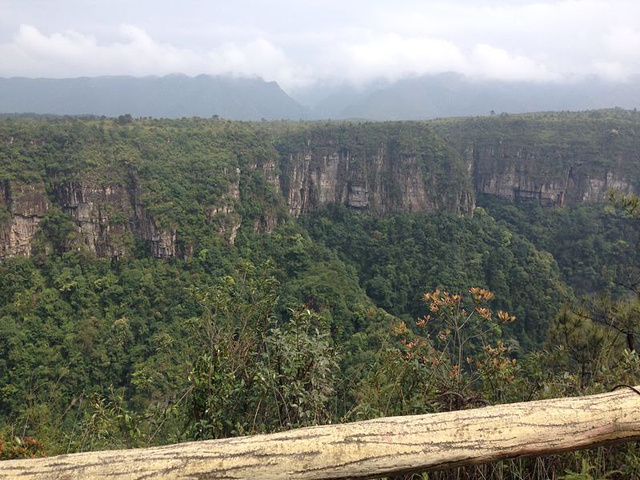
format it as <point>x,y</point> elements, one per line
<point>399,329</point>
<point>423,321</point>
<point>432,296</point>
<point>504,317</point>
<point>438,299</point>
<point>480,294</point>
<point>484,313</point>
<point>450,300</point>
<point>443,335</point>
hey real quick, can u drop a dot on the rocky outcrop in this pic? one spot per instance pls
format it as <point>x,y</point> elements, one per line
<point>224,213</point>
<point>105,216</point>
<point>552,176</point>
<point>162,242</point>
<point>375,168</point>
<point>101,212</point>
<point>375,181</point>
<point>22,207</point>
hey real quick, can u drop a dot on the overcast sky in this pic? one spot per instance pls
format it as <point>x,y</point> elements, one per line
<point>298,42</point>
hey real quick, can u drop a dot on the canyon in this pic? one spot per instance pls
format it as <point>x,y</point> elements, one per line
<point>373,168</point>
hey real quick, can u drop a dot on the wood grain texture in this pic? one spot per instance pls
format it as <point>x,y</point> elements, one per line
<point>367,449</point>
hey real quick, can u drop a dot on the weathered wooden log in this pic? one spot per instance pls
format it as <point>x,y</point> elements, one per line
<point>368,449</point>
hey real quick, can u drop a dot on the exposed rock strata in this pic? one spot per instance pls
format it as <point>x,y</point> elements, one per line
<point>22,207</point>
<point>556,177</point>
<point>101,213</point>
<point>162,241</point>
<point>104,216</point>
<point>224,212</point>
<point>375,182</point>
<point>375,178</point>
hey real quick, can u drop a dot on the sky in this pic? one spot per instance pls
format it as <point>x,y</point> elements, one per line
<point>300,42</point>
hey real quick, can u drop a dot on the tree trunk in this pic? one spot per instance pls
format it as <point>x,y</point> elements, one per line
<point>368,449</point>
<point>631,341</point>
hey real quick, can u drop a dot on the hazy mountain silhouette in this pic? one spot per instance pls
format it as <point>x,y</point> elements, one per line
<point>414,98</point>
<point>452,95</point>
<point>171,96</point>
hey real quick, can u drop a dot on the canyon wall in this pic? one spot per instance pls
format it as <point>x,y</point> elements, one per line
<point>105,216</point>
<point>22,207</point>
<point>553,176</point>
<point>252,181</point>
<point>376,183</point>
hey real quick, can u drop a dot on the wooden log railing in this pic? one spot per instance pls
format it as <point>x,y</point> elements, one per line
<point>367,449</point>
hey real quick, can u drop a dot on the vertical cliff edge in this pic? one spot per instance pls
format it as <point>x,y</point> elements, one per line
<point>168,186</point>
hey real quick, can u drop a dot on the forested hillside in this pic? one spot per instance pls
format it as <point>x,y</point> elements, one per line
<point>170,280</point>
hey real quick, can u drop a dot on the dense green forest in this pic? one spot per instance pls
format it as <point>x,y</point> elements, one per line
<point>167,292</point>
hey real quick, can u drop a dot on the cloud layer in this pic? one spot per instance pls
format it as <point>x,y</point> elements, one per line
<point>297,43</point>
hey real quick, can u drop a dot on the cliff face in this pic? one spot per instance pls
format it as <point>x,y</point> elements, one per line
<point>104,215</point>
<point>173,187</point>
<point>100,213</point>
<point>22,206</point>
<point>551,158</point>
<point>379,175</point>
<point>224,214</point>
<point>374,184</point>
<point>553,177</point>
<point>108,216</point>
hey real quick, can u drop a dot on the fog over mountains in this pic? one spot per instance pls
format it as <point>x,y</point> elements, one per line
<point>414,98</point>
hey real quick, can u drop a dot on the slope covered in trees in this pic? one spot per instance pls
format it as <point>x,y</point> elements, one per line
<point>156,284</point>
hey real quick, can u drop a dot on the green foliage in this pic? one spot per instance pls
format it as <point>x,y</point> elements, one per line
<point>253,374</point>
<point>16,447</point>
<point>585,472</point>
<point>5,216</point>
<point>591,247</point>
<point>399,257</point>
<point>449,364</point>
<point>400,382</point>
<point>57,234</point>
<point>297,372</point>
<point>322,319</point>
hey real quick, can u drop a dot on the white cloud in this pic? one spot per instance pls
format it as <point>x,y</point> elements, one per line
<point>73,54</point>
<point>611,71</point>
<point>494,63</point>
<point>70,54</point>
<point>565,37</point>
<point>392,56</point>
<point>294,42</point>
<point>624,44</point>
<point>256,58</point>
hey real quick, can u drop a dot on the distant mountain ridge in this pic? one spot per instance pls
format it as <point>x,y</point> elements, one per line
<point>454,95</point>
<point>412,98</point>
<point>171,96</point>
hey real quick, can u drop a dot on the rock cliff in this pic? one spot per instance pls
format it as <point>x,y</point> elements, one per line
<point>554,177</point>
<point>22,207</point>
<point>171,187</point>
<point>551,158</point>
<point>105,216</point>
<point>374,169</point>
